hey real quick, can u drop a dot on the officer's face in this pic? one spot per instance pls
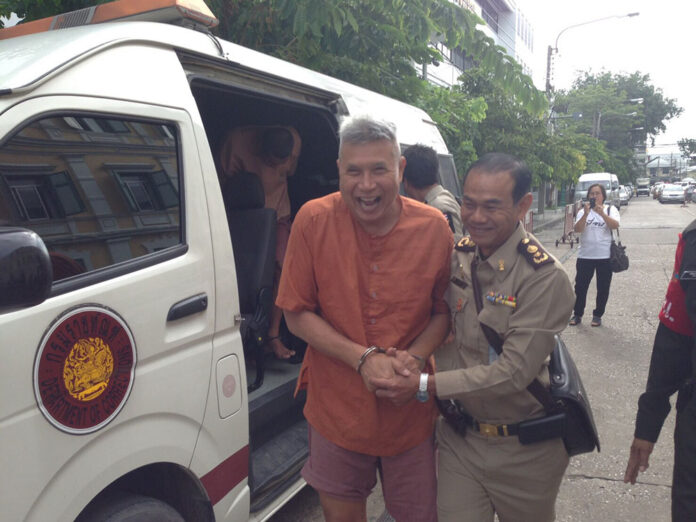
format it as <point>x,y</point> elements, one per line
<point>489,213</point>
<point>369,179</point>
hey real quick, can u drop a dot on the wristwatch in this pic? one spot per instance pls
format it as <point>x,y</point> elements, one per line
<point>422,393</point>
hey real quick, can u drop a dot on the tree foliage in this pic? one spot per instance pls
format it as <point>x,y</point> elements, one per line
<point>509,128</point>
<point>688,149</point>
<point>622,111</point>
<point>372,43</point>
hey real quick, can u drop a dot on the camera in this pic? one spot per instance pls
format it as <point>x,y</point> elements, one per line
<point>593,202</point>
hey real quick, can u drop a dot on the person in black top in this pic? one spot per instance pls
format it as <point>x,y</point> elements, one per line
<point>672,369</point>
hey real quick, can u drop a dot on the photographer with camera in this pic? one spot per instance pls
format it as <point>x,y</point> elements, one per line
<point>594,222</point>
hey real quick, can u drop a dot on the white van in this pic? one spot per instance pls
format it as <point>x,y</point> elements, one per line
<point>130,295</point>
<point>608,180</point>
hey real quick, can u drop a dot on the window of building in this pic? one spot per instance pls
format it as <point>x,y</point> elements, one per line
<point>95,204</point>
<point>104,125</point>
<point>43,196</point>
<point>490,15</point>
<point>145,191</point>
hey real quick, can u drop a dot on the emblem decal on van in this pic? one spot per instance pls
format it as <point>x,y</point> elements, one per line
<point>84,369</point>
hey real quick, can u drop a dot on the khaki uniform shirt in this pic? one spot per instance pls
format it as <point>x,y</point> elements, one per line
<point>493,389</point>
<point>445,202</point>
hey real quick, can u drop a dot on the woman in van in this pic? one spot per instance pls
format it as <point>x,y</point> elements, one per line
<point>594,222</point>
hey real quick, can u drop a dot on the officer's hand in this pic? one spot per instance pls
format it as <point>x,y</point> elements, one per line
<point>376,366</point>
<point>587,208</point>
<point>399,389</point>
<point>638,459</point>
<point>403,360</point>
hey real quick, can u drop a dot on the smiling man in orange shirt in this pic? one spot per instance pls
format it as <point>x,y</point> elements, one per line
<point>366,270</point>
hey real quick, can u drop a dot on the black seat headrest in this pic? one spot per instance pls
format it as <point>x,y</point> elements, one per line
<point>244,191</point>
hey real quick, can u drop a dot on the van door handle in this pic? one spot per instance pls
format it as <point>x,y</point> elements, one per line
<point>189,306</point>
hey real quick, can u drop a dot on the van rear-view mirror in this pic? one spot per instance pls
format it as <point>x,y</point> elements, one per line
<point>25,269</point>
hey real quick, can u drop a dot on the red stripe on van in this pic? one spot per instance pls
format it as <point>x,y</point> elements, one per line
<point>219,481</point>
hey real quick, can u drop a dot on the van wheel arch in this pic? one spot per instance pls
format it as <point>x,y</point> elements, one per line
<point>160,487</point>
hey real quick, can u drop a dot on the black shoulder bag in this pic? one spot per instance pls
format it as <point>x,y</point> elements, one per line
<point>568,411</point>
<point>618,260</point>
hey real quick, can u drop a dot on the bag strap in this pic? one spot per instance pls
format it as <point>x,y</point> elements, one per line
<point>538,390</point>
<point>611,230</point>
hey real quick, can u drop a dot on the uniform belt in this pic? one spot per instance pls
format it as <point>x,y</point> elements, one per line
<point>494,430</point>
<point>462,421</point>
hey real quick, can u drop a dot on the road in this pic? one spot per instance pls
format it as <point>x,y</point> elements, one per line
<point>613,361</point>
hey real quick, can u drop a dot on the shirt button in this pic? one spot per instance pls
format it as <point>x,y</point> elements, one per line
<point>375,268</point>
<point>373,295</point>
<point>373,320</point>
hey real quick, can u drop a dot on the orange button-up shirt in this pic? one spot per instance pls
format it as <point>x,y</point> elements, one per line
<point>378,291</point>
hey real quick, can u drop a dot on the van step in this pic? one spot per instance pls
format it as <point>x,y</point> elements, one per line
<point>277,463</point>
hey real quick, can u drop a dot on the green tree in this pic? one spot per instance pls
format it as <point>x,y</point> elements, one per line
<point>688,149</point>
<point>623,111</point>
<point>508,127</point>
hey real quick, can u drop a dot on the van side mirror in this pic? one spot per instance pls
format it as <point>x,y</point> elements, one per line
<point>26,275</point>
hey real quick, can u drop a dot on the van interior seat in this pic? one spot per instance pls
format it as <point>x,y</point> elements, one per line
<point>253,234</point>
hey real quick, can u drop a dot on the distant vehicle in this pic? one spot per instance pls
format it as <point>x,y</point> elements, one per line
<point>643,187</point>
<point>631,190</point>
<point>657,188</point>
<point>624,195</point>
<point>672,194</point>
<point>606,179</point>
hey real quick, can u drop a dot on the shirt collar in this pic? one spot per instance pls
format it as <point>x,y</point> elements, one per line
<point>433,193</point>
<point>503,259</point>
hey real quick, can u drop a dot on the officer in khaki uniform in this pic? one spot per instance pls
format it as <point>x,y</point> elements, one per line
<point>422,183</point>
<point>526,297</point>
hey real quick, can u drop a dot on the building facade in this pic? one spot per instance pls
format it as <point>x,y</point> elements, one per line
<point>505,23</point>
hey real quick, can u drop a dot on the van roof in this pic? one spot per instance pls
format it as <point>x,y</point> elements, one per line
<point>595,175</point>
<point>29,60</point>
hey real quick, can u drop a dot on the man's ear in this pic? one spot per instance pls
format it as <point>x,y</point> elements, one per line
<point>524,204</point>
<point>402,166</point>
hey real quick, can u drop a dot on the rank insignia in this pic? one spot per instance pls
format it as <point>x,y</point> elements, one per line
<point>465,244</point>
<point>498,298</point>
<point>534,253</point>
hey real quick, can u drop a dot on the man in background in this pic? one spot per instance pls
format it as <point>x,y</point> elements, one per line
<point>422,183</point>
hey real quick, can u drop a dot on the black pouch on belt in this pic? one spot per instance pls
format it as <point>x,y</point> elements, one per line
<point>457,418</point>
<point>544,428</point>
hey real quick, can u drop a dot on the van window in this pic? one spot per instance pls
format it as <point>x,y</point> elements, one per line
<point>98,190</point>
<point>583,186</point>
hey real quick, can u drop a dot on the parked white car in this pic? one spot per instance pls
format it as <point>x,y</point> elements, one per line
<point>624,195</point>
<point>672,193</point>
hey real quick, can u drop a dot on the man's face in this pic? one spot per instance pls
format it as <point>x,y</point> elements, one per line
<point>489,213</point>
<point>369,178</point>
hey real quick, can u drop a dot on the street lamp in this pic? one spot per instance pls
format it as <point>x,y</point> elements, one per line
<point>554,49</point>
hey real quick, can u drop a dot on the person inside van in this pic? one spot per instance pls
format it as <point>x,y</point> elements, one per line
<point>422,183</point>
<point>594,222</point>
<point>270,152</point>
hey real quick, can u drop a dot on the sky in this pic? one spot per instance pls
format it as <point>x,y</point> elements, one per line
<point>657,42</point>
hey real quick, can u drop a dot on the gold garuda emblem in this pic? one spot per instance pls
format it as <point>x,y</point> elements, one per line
<point>88,368</point>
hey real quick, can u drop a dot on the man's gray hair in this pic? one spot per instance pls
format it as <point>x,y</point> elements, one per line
<point>361,130</point>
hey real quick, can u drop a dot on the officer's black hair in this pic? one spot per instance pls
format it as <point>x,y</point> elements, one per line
<point>422,166</point>
<point>276,143</point>
<point>495,162</point>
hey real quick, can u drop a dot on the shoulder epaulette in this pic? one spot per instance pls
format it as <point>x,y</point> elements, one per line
<point>534,253</point>
<point>465,244</point>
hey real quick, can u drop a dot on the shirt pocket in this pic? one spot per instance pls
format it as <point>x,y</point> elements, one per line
<point>496,316</point>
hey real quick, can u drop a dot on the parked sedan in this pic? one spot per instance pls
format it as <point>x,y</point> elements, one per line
<point>672,193</point>
<point>624,195</point>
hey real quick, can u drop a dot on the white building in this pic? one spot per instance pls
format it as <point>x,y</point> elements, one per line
<point>505,23</point>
